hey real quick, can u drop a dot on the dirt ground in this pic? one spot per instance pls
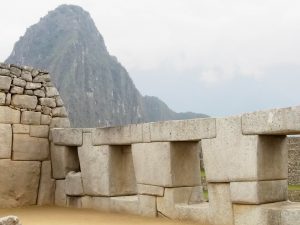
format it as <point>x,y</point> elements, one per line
<point>67,216</point>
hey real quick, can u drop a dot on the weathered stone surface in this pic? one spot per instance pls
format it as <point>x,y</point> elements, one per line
<point>34,72</point>
<point>16,90</point>
<point>51,92</point>
<point>150,190</point>
<point>2,98</point>
<point>33,86</point>
<point>5,141</point>
<point>182,130</point>
<point>39,93</point>
<point>19,82</point>
<point>9,220</point>
<point>59,112</point>
<point>59,101</point>
<point>9,115</point>
<point>60,122</point>
<point>49,102</point>
<point>113,135</point>
<point>42,78</point>
<point>20,129</point>
<point>31,118</point>
<point>195,212</point>
<point>147,206</point>
<point>21,177</point>
<point>28,92</point>
<point>220,206</point>
<point>47,185</point>
<point>39,131</point>
<point>106,170</point>
<point>30,148</point>
<point>16,71</point>
<point>8,99</point>
<point>232,156</point>
<point>5,83</point>
<point>24,101</point>
<point>46,110</point>
<point>74,202</point>
<point>74,184</point>
<point>173,196</point>
<point>64,159</point>
<point>101,203</point>
<point>167,164</point>
<point>276,121</point>
<point>67,136</point>
<point>60,193</point>
<point>125,204</point>
<point>258,192</point>
<point>4,72</point>
<point>45,119</point>
<point>26,75</point>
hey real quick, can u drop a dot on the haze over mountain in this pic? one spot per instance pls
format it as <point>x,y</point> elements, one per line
<point>95,87</point>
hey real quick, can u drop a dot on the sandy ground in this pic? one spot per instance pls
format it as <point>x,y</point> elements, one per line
<point>67,216</point>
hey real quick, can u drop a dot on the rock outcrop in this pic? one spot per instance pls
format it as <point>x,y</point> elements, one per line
<point>96,88</point>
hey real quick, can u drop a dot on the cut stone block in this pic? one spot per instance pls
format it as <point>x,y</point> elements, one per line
<point>60,122</point>
<point>16,71</point>
<point>32,118</point>
<point>39,93</point>
<point>51,92</point>
<point>125,204</point>
<point>167,164</point>
<point>284,213</point>
<point>69,137</point>
<point>30,148</point>
<point>147,206</point>
<point>124,135</point>
<point>16,90</point>
<point>106,170</point>
<point>9,115</point>
<point>8,99</point>
<point>49,102</point>
<point>20,129</point>
<point>64,159</point>
<point>59,112</point>
<point>33,86</point>
<point>45,120</point>
<point>2,98</point>
<point>39,131</point>
<point>60,193</point>
<point>276,121</point>
<point>150,190</point>
<point>19,82</point>
<point>59,101</point>
<point>86,202</point>
<point>173,196</point>
<point>74,184</point>
<point>5,83</point>
<point>5,141</point>
<point>101,203</point>
<point>258,192</point>
<point>26,75</point>
<point>20,183</point>
<point>232,156</point>
<point>195,212</point>
<point>183,130</point>
<point>24,101</point>
<point>42,78</point>
<point>220,206</point>
<point>74,202</point>
<point>47,185</point>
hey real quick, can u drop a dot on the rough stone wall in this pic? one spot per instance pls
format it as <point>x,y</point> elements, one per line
<point>29,107</point>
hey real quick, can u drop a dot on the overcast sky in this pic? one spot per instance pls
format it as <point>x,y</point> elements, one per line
<point>211,56</point>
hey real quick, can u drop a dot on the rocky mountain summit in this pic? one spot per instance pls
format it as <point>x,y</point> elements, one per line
<point>96,88</point>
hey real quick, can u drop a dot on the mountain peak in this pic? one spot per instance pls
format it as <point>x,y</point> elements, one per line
<point>95,87</point>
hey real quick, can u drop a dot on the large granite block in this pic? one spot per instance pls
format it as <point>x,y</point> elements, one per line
<point>47,185</point>
<point>24,101</point>
<point>67,136</point>
<point>9,115</point>
<point>5,141</point>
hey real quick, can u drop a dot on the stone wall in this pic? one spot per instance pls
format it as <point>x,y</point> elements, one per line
<point>150,169</point>
<point>294,167</point>
<point>29,107</point>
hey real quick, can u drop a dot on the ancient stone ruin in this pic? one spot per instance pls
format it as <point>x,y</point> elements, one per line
<point>150,169</point>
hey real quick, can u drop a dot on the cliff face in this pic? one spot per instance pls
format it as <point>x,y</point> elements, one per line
<point>96,88</point>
